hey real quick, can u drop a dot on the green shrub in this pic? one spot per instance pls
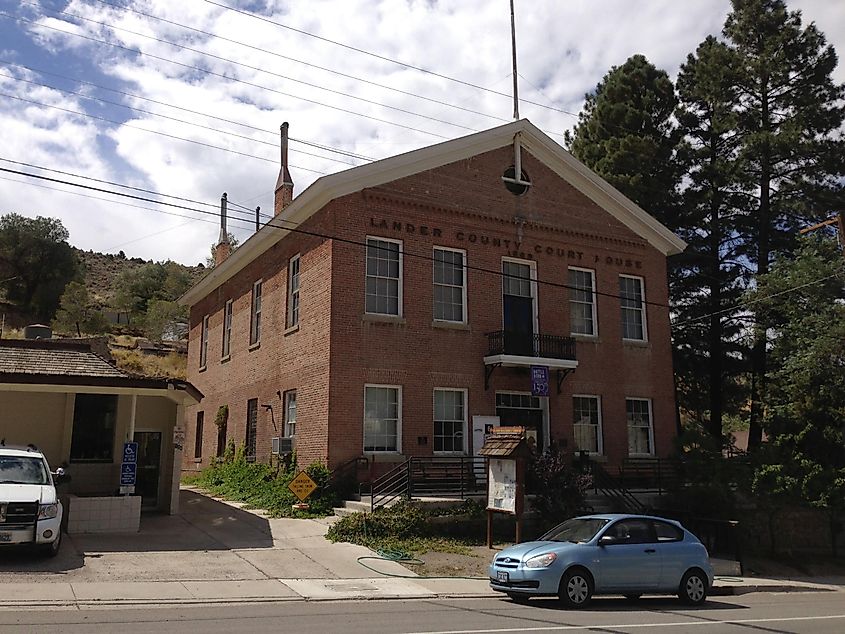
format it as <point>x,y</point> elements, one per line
<point>264,486</point>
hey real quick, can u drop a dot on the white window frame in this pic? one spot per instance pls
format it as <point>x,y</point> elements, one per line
<point>290,425</point>
<point>226,347</point>
<point>255,313</point>
<point>464,395</point>
<point>650,426</point>
<point>599,430</point>
<point>535,301</point>
<point>594,303</point>
<point>464,311</point>
<point>642,307</point>
<point>204,342</point>
<point>398,449</point>
<point>401,276</point>
<point>292,317</point>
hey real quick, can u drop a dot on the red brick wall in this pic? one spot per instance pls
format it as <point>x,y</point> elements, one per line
<point>338,349</point>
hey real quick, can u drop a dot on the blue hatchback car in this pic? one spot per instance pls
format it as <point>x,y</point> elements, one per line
<point>629,555</point>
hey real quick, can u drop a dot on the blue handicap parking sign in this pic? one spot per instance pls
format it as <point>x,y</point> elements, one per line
<point>127,473</point>
<point>130,452</point>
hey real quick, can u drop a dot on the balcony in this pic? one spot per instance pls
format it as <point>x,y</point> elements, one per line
<point>522,350</point>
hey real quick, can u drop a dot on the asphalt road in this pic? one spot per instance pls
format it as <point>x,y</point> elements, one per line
<point>816,612</point>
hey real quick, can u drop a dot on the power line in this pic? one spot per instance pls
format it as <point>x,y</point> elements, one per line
<point>164,116</point>
<point>183,109</point>
<point>164,134</point>
<point>384,58</point>
<point>224,76</point>
<point>317,234</point>
<point>304,63</point>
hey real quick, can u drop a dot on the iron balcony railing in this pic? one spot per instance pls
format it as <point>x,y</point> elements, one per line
<point>530,345</point>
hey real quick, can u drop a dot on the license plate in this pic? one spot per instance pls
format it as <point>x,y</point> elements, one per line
<point>502,576</point>
<point>5,537</point>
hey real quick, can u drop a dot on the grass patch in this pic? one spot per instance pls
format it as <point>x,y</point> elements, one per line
<point>263,486</point>
<point>174,365</point>
<point>406,527</point>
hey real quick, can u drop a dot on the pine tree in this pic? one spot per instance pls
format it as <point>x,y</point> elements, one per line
<point>625,134</point>
<point>707,277</point>
<point>790,114</point>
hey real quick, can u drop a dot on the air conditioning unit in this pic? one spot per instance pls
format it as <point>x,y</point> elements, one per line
<point>282,445</point>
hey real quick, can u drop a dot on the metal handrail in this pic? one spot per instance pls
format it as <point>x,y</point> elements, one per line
<point>609,486</point>
<point>447,476</point>
<point>391,486</point>
<point>346,473</point>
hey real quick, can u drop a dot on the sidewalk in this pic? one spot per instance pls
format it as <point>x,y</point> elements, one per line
<point>93,594</point>
<point>217,552</point>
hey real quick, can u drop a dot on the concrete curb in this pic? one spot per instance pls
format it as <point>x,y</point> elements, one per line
<point>734,590</point>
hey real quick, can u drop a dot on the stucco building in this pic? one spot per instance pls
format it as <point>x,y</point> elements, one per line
<point>395,310</point>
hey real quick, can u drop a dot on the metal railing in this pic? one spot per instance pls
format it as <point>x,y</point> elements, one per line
<point>611,488</point>
<point>657,475</point>
<point>344,478</point>
<point>531,345</point>
<point>430,476</point>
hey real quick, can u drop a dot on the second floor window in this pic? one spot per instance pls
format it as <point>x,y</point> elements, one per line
<point>255,319</point>
<point>227,329</point>
<point>632,301</point>
<point>582,302</point>
<point>290,413</point>
<point>204,342</point>
<point>449,285</point>
<point>293,292</point>
<point>384,277</point>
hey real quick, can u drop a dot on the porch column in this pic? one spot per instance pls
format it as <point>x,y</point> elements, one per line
<point>130,433</point>
<point>178,441</point>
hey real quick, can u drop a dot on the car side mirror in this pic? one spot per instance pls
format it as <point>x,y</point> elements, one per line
<point>60,475</point>
<point>60,472</point>
<point>605,540</point>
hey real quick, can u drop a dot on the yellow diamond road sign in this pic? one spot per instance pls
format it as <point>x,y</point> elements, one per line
<point>302,486</point>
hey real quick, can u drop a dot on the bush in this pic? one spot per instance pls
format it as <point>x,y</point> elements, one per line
<point>558,488</point>
<point>265,486</point>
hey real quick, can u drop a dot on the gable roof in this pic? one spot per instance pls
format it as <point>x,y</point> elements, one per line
<point>531,138</point>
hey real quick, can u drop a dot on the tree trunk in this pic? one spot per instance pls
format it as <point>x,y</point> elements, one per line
<point>715,326</point>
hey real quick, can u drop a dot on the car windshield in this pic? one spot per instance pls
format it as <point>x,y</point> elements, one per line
<point>579,529</point>
<point>22,470</point>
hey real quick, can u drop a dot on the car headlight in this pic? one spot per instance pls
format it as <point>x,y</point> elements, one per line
<point>541,561</point>
<point>48,511</point>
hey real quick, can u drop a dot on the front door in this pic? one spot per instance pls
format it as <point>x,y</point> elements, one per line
<point>523,410</point>
<point>149,467</point>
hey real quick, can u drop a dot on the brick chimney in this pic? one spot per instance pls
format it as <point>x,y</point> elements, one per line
<point>223,248</point>
<point>284,184</point>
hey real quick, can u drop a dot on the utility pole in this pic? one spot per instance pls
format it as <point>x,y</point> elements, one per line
<point>838,220</point>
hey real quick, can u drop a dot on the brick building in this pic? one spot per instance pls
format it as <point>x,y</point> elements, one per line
<point>402,314</point>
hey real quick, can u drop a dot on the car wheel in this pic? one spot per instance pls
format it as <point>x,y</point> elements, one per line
<point>576,588</point>
<point>693,589</point>
<point>516,597</point>
<point>52,549</point>
<point>632,597</point>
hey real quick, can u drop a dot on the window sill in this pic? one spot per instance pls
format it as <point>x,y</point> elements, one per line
<point>197,460</point>
<point>290,331</point>
<point>450,325</point>
<point>450,454</point>
<point>641,455</point>
<point>383,319</point>
<point>254,346</point>
<point>588,338</point>
<point>595,457</point>
<point>202,368</point>
<point>225,359</point>
<point>635,343</point>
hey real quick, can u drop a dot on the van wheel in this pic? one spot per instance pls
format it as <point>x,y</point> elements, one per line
<point>52,549</point>
<point>693,588</point>
<point>576,588</point>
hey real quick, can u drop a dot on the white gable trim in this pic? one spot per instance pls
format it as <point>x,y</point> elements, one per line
<point>327,188</point>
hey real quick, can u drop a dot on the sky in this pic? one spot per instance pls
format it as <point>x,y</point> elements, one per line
<point>185,99</point>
